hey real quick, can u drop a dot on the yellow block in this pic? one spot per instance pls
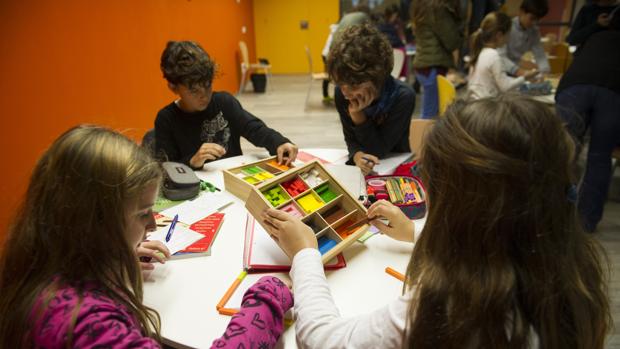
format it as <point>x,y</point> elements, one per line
<point>310,203</point>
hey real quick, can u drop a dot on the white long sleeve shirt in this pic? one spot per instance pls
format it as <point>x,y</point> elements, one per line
<point>318,323</point>
<point>487,78</point>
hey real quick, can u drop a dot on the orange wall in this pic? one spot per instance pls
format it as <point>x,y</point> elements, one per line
<point>65,62</point>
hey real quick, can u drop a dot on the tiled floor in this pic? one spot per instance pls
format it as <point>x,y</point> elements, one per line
<point>282,108</point>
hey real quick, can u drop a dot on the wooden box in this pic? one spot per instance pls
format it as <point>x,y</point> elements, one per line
<point>322,203</point>
<point>240,180</point>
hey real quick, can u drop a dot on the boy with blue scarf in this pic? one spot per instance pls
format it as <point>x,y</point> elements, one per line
<point>375,109</point>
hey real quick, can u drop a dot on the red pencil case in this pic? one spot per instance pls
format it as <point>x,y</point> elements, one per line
<point>405,192</point>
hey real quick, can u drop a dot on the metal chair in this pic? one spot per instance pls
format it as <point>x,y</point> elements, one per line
<point>312,76</point>
<point>247,67</point>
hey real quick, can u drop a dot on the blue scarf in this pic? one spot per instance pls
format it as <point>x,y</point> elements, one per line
<point>379,108</point>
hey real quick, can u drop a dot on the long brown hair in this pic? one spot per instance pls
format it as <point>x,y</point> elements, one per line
<point>502,251</point>
<point>70,229</point>
<point>493,23</point>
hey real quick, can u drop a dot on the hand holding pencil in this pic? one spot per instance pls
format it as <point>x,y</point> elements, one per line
<point>400,227</point>
<point>366,162</point>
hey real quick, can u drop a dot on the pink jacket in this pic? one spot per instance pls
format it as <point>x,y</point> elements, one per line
<point>103,322</point>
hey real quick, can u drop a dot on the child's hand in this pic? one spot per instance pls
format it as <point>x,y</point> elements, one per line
<point>366,162</point>
<point>148,250</point>
<point>400,226</point>
<point>531,74</point>
<point>360,101</point>
<point>288,149</point>
<point>207,151</point>
<point>291,234</point>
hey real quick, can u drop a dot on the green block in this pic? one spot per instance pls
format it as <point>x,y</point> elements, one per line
<point>325,193</point>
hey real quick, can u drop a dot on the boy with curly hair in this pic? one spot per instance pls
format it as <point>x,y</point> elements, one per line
<point>202,125</point>
<point>375,109</point>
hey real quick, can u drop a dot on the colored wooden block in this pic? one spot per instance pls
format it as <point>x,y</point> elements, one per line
<point>252,170</point>
<point>325,193</point>
<point>235,178</point>
<point>251,180</point>
<point>326,244</point>
<point>309,203</point>
<point>293,210</point>
<point>344,230</point>
<point>275,196</point>
<point>333,214</point>
<point>281,167</point>
<point>295,187</point>
<point>312,177</point>
<point>263,175</point>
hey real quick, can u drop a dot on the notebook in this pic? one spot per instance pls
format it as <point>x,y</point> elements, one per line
<point>181,238</point>
<point>208,227</point>
<point>191,211</point>
<point>262,254</point>
<point>388,165</point>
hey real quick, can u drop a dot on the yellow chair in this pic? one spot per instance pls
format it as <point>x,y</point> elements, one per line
<point>247,67</point>
<point>312,76</point>
<point>446,91</point>
<point>560,59</point>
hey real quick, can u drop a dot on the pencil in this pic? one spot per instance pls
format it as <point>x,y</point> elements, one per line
<point>231,290</point>
<point>227,311</point>
<point>395,274</point>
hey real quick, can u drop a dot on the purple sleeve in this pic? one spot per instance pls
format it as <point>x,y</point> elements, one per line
<point>99,323</point>
<point>260,321</point>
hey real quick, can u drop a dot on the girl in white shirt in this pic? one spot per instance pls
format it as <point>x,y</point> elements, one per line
<point>502,261</point>
<point>486,76</point>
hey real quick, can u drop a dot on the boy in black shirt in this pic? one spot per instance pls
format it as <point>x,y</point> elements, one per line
<point>375,109</point>
<point>203,125</point>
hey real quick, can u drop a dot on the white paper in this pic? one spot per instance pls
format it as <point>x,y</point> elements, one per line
<point>350,177</point>
<point>192,211</point>
<point>390,163</point>
<point>265,251</point>
<point>180,239</point>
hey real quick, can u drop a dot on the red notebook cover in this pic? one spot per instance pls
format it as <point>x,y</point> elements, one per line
<point>262,254</point>
<point>306,157</point>
<point>208,226</point>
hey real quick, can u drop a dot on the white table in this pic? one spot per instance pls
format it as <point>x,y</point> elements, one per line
<point>185,291</point>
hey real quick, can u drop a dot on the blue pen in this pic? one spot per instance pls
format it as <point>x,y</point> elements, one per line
<point>368,160</point>
<point>172,225</point>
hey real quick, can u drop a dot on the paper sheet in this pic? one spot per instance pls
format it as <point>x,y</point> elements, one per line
<point>264,251</point>
<point>350,177</point>
<point>192,211</point>
<point>390,163</point>
<point>181,237</point>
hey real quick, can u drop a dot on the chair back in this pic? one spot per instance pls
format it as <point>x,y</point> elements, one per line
<point>245,57</point>
<point>399,62</point>
<point>418,130</point>
<point>309,57</point>
<point>446,91</point>
<point>148,141</point>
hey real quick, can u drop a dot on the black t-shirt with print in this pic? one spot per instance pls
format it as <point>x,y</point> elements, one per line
<point>179,134</point>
